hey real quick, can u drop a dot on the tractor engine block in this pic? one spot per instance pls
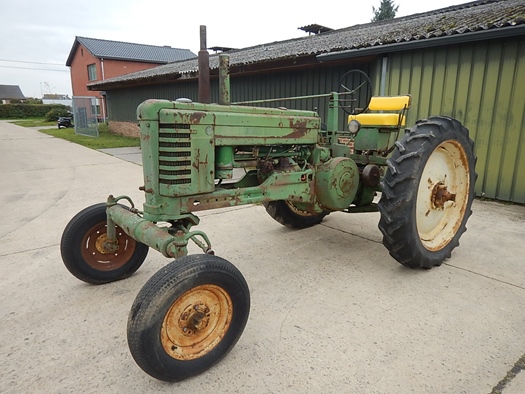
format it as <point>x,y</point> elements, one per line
<point>189,149</point>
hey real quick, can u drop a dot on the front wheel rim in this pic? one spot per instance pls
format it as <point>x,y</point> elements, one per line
<point>104,260</point>
<point>442,195</point>
<point>196,322</point>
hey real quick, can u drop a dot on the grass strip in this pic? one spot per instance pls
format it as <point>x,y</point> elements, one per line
<point>105,139</point>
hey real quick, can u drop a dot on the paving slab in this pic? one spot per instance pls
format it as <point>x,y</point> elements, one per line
<point>331,312</point>
<point>131,154</point>
<point>516,385</point>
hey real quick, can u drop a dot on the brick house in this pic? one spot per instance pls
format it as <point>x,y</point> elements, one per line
<point>91,60</point>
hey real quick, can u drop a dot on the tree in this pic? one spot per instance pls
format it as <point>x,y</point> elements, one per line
<point>31,100</point>
<point>387,10</point>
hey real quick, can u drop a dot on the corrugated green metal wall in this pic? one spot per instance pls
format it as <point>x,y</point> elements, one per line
<point>482,85</point>
<point>122,103</point>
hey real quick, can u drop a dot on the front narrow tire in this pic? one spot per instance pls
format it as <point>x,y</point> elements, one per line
<point>187,317</point>
<point>83,254</point>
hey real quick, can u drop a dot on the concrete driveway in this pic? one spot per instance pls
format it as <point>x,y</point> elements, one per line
<point>332,312</point>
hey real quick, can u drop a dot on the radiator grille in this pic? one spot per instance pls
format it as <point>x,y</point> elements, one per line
<point>175,172</point>
<point>170,163</point>
<point>184,153</point>
<point>179,126</point>
<point>170,135</point>
<point>175,144</point>
<point>176,181</point>
<point>175,154</point>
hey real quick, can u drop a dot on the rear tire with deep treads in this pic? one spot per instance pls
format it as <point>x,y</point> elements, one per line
<point>290,216</point>
<point>427,192</point>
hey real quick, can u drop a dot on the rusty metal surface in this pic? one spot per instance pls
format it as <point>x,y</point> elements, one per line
<point>224,79</point>
<point>141,229</point>
<point>196,322</point>
<point>336,183</point>
<point>104,259</point>
<point>204,69</point>
<point>440,195</point>
<point>443,195</point>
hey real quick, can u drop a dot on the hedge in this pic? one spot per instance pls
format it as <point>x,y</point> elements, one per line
<point>21,111</point>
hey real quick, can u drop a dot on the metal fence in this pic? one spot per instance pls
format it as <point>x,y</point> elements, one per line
<point>87,113</point>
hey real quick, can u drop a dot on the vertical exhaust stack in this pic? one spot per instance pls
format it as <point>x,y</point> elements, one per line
<point>224,79</point>
<point>204,69</point>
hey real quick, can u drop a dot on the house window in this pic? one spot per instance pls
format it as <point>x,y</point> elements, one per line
<point>95,107</point>
<point>92,72</point>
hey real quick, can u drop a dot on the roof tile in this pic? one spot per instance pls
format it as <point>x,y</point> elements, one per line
<point>11,92</point>
<point>460,19</point>
<point>129,51</point>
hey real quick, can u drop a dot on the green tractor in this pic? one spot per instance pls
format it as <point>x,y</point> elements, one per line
<point>200,156</point>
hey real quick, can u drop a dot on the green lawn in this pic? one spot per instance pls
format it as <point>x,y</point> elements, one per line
<point>36,122</point>
<point>104,140</point>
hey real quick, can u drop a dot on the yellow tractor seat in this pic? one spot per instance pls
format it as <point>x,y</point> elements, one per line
<point>390,119</point>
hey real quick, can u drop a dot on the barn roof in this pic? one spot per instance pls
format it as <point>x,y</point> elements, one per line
<point>476,20</point>
<point>118,50</point>
<point>11,92</point>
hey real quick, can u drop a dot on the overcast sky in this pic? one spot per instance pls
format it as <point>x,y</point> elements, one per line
<point>37,35</point>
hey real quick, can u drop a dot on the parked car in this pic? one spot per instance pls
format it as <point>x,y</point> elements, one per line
<point>64,121</point>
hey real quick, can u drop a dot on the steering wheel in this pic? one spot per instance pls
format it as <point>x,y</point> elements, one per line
<point>352,96</point>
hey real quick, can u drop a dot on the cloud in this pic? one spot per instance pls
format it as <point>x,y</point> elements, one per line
<point>44,31</point>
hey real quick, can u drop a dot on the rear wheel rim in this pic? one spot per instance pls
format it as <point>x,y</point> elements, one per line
<point>298,211</point>
<point>442,195</point>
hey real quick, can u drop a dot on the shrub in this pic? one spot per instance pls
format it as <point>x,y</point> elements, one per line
<point>31,100</point>
<point>55,113</point>
<point>103,128</point>
<point>21,111</point>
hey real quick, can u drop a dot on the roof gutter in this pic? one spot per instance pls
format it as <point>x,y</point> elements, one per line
<point>424,43</point>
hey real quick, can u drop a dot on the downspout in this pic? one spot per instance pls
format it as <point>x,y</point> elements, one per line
<point>384,66</point>
<point>103,106</point>
<point>102,67</point>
